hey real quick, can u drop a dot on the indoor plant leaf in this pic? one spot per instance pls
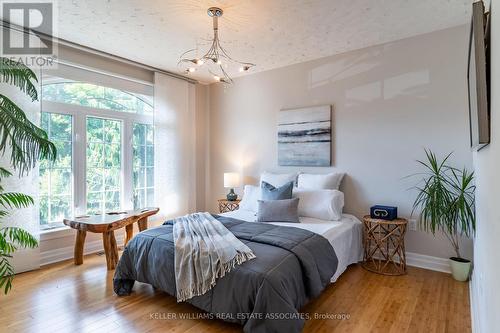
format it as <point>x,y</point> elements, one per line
<point>17,74</point>
<point>26,143</point>
<point>15,200</point>
<point>446,201</point>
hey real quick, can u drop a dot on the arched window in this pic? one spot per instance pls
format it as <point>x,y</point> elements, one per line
<point>110,130</point>
<point>94,96</point>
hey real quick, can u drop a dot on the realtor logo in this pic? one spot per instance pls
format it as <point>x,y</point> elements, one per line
<point>32,17</point>
<point>27,30</point>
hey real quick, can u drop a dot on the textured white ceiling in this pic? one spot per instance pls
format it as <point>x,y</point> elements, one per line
<point>270,33</point>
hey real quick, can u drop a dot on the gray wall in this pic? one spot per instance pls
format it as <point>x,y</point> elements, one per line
<point>389,101</point>
<point>485,291</point>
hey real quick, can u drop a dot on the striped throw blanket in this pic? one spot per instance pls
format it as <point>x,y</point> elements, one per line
<point>204,251</point>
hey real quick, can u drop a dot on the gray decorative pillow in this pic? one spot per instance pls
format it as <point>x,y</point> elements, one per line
<point>278,211</point>
<point>269,192</point>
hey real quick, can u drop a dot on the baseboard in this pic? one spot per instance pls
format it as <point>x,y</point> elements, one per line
<point>65,253</point>
<point>473,306</point>
<point>428,262</point>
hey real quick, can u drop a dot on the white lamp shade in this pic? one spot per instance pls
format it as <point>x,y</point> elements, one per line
<point>231,179</point>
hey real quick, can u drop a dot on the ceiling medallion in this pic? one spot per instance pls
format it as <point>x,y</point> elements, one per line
<point>216,59</point>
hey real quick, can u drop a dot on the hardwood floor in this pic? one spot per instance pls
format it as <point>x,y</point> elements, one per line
<point>67,298</point>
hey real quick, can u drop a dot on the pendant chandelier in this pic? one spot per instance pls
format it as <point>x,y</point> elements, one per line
<point>216,59</point>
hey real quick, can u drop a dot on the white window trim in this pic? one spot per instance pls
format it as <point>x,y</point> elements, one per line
<point>79,147</point>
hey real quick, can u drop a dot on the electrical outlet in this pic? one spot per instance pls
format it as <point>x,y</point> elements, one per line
<point>412,224</point>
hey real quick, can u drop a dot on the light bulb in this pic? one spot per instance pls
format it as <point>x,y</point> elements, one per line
<point>217,78</point>
<point>191,69</point>
<point>244,68</point>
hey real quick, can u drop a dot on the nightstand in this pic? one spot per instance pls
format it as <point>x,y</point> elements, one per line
<point>384,243</point>
<point>228,206</point>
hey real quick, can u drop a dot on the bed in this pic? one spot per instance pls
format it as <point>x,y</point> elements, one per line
<point>291,263</point>
<point>292,266</point>
<point>344,235</point>
<point>295,262</point>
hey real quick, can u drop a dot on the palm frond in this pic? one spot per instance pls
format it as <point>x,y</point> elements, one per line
<point>15,200</point>
<point>6,246</point>
<point>27,142</point>
<point>6,275</point>
<point>19,75</point>
<point>4,173</point>
<point>19,237</point>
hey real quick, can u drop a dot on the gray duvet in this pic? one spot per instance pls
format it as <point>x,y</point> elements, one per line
<point>264,294</point>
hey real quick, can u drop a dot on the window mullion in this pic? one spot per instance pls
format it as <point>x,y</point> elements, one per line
<point>49,187</point>
<point>103,169</point>
<point>79,164</point>
<point>127,160</point>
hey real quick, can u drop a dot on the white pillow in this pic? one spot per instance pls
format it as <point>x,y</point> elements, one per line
<point>278,179</point>
<point>251,196</point>
<point>320,204</point>
<point>330,181</point>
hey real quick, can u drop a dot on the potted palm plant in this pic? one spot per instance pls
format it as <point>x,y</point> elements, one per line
<point>445,201</point>
<point>26,144</point>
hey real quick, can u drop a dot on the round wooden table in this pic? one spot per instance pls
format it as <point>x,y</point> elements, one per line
<point>384,243</point>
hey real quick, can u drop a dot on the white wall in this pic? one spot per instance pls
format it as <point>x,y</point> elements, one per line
<point>389,101</point>
<point>484,286</point>
<point>26,218</point>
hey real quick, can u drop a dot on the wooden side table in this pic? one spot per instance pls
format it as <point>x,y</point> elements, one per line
<point>106,224</point>
<point>384,243</point>
<point>228,206</point>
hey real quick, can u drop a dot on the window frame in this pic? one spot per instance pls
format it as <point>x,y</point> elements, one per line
<point>122,163</point>
<point>79,146</point>
<point>144,188</point>
<point>60,81</point>
<point>49,224</point>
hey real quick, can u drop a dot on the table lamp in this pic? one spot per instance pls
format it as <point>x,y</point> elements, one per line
<point>231,180</point>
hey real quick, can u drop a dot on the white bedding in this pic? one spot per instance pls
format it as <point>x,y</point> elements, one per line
<point>345,235</point>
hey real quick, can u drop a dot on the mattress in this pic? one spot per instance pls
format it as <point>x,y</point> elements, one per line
<point>344,235</point>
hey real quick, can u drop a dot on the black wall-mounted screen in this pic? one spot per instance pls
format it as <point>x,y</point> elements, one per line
<point>478,77</point>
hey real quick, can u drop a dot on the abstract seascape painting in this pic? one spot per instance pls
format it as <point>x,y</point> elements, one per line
<point>305,136</point>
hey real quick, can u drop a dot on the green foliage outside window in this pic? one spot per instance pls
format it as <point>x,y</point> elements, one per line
<point>103,165</point>
<point>56,195</point>
<point>90,95</point>
<point>143,166</point>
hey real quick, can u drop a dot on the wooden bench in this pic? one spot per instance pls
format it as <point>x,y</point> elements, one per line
<point>106,224</point>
